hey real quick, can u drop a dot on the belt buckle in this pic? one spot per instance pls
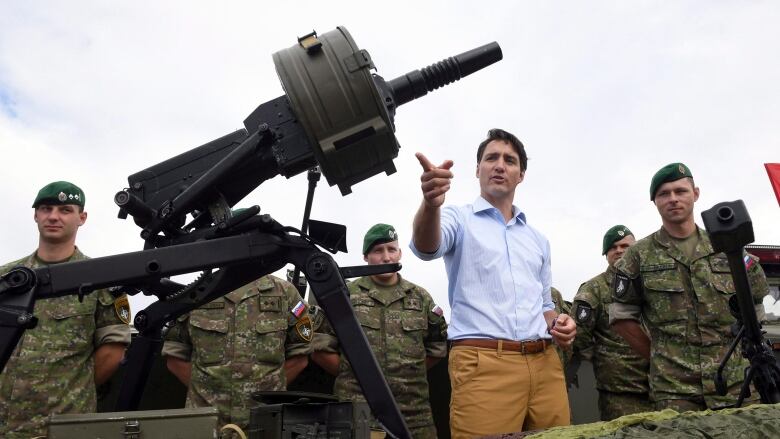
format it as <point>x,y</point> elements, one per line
<point>522,347</point>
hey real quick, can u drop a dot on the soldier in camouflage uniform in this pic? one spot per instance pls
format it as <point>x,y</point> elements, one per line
<point>252,339</point>
<point>675,282</point>
<point>405,328</point>
<point>76,344</point>
<point>621,373</point>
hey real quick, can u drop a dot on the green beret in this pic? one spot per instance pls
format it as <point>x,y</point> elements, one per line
<point>60,192</point>
<point>614,234</point>
<point>670,172</point>
<point>378,234</point>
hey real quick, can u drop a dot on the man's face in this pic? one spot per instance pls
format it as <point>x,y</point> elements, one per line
<point>387,253</point>
<point>674,201</point>
<point>618,248</point>
<point>499,171</point>
<point>58,223</point>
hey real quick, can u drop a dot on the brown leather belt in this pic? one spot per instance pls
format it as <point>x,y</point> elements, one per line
<point>524,347</point>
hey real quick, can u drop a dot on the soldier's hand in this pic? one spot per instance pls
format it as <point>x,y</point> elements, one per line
<point>563,330</point>
<point>435,180</point>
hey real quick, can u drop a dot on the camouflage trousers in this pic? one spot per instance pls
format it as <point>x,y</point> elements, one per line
<point>616,404</point>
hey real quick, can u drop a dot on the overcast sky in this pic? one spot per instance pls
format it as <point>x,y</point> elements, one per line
<point>602,94</point>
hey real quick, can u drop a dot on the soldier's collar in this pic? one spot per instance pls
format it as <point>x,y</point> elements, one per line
<point>365,282</point>
<point>663,238</point>
<point>75,256</point>
<point>404,284</point>
<point>368,284</point>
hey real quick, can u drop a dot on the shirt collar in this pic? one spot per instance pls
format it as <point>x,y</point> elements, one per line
<point>481,205</point>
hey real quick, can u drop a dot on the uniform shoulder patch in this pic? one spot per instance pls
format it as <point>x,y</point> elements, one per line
<point>437,310</point>
<point>584,312</point>
<point>620,285</point>
<point>122,309</point>
<point>304,329</point>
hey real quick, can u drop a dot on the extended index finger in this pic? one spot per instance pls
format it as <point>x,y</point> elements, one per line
<point>424,162</point>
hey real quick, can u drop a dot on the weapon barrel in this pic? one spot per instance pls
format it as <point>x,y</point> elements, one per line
<point>418,83</point>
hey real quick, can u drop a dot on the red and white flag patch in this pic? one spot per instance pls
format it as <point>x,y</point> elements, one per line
<point>298,309</point>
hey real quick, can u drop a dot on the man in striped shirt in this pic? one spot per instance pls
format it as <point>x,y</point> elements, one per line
<point>503,317</point>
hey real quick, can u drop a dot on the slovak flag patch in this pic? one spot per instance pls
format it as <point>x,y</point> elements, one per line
<point>437,310</point>
<point>298,309</point>
<point>748,262</point>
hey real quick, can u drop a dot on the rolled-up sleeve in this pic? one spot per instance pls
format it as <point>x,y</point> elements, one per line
<point>177,349</point>
<point>109,326</point>
<point>112,334</point>
<point>449,230</point>
<point>177,340</point>
<point>624,311</point>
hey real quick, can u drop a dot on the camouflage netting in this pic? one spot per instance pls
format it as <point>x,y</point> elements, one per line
<point>757,421</point>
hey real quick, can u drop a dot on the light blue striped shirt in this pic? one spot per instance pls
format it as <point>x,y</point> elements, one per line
<point>499,273</point>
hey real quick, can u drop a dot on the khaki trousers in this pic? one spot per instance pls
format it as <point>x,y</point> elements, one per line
<point>496,392</point>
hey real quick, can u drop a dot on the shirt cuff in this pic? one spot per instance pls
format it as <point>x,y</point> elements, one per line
<point>112,334</point>
<point>436,350</point>
<point>177,350</point>
<point>624,311</point>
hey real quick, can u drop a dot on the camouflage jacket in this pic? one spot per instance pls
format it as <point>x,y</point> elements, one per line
<point>52,369</point>
<point>684,304</point>
<point>238,345</point>
<point>403,326</point>
<point>616,366</point>
<point>561,307</point>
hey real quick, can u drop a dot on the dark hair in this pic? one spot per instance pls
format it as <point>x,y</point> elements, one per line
<point>506,136</point>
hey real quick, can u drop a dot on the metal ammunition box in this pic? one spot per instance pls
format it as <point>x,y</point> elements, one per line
<point>195,423</point>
